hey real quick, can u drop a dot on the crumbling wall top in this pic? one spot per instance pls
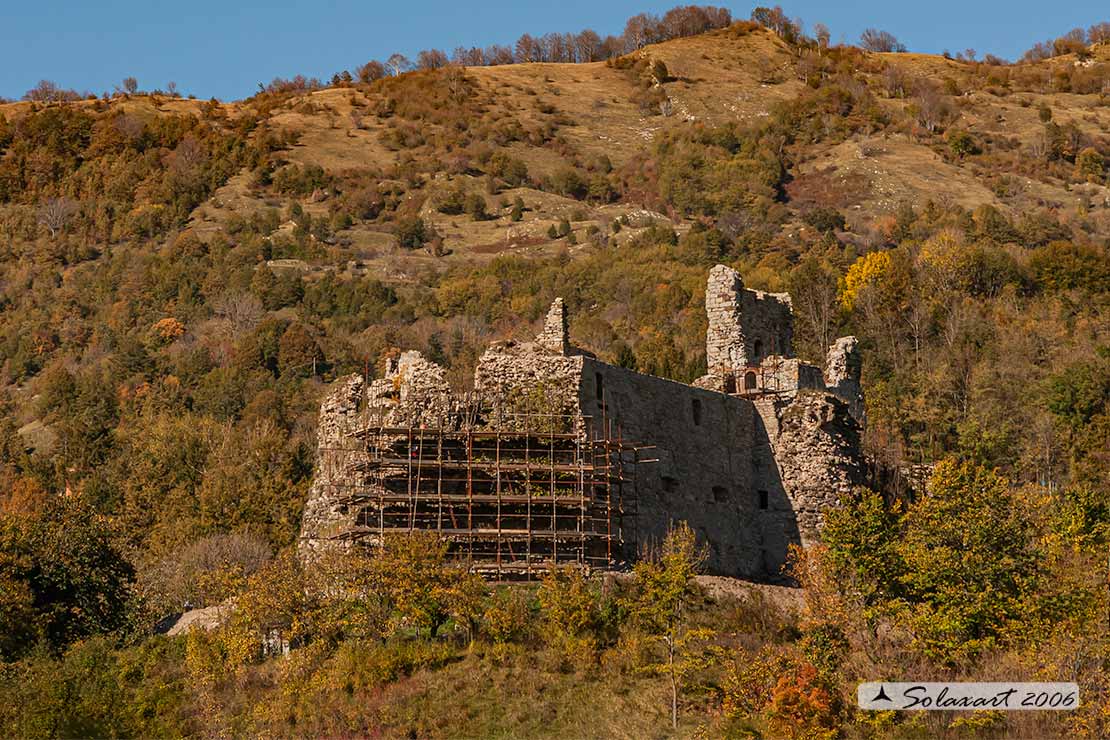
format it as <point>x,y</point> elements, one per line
<point>555,335</point>
<point>338,410</point>
<point>843,369</point>
<point>843,361</point>
<point>413,390</point>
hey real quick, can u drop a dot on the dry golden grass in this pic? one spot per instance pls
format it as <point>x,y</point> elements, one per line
<point>727,75</point>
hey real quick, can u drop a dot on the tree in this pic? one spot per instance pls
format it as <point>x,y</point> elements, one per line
<point>863,273</point>
<point>813,286</point>
<point>664,590</point>
<point>298,352</point>
<point>412,232</point>
<point>498,54</point>
<point>961,144</point>
<point>48,92</point>
<point>872,39</point>
<point>932,108</point>
<point>1099,33</point>
<point>67,561</point>
<point>204,573</point>
<point>472,57</point>
<point>1090,165</point>
<point>56,213</point>
<point>476,207</point>
<point>862,540</point>
<point>821,33</point>
<point>272,612</point>
<point>348,597</point>
<point>130,85</point>
<point>372,70</point>
<point>570,611</point>
<point>969,560</point>
<point>527,49</point>
<point>776,20</point>
<point>423,586</point>
<point>587,46</point>
<point>453,202</point>
<point>398,63</point>
<point>641,30</point>
<point>431,59</point>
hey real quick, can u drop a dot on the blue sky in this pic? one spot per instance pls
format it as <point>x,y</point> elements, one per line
<point>224,49</point>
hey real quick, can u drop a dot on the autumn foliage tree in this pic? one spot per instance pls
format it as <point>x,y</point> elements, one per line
<point>663,593</point>
<point>64,577</point>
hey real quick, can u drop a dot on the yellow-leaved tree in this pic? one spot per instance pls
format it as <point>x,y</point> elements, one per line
<point>570,613</point>
<point>424,587</point>
<point>663,592</point>
<point>864,272</point>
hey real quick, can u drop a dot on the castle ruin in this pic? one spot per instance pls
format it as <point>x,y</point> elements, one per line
<point>558,457</point>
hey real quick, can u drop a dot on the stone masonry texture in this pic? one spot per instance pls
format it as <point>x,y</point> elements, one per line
<point>751,470</point>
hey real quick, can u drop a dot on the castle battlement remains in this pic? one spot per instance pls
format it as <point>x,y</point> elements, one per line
<point>559,457</point>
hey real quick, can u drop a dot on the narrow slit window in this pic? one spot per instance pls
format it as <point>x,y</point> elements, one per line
<point>764,500</point>
<point>695,406</point>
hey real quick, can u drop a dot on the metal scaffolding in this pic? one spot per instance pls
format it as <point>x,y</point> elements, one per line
<point>512,493</point>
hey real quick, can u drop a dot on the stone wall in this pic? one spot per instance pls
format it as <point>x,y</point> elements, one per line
<point>843,367</point>
<point>768,324</point>
<point>787,375</point>
<point>554,337</point>
<point>414,391</point>
<point>724,339</point>
<point>528,379</point>
<point>325,514</point>
<point>813,441</point>
<point>702,442</point>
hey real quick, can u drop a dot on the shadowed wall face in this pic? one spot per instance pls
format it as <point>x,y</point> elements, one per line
<point>703,443</point>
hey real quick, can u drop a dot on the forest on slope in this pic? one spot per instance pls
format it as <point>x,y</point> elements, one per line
<point>181,279</point>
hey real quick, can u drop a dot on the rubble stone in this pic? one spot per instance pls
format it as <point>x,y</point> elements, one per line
<point>751,469</point>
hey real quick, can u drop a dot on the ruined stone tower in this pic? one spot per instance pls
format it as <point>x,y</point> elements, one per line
<point>745,326</point>
<point>751,455</point>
